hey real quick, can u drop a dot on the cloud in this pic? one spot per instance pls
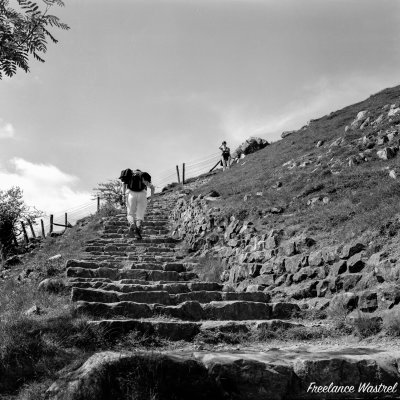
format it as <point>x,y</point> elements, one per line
<point>45,187</point>
<point>313,100</point>
<point>6,130</point>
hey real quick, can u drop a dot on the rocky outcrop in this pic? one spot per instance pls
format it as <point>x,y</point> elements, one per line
<point>249,146</point>
<point>268,261</point>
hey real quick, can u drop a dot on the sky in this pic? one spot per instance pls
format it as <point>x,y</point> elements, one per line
<point>151,84</point>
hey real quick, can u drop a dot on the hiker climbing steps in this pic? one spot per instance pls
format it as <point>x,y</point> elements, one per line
<point>126,284</point>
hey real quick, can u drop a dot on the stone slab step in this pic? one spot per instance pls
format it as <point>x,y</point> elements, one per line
<point>162,296</point>
<point>188,311</point>
<point>131,285</point>
<point>309,372</point>
<point>92,264</point>
<point>177,267</point>
<point>183,330</point>
<point>118,274</point>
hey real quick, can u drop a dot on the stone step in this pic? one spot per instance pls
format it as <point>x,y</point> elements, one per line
<point>146,224</point>
<point>177,267</point>
<point>190,310</point>
<point>163,297</point>
<point>131,285</point>
<point>91,264</point>
<point>155,258</point>
<point>118,274</point>
<point>183,330</point>
<point>311,371</point>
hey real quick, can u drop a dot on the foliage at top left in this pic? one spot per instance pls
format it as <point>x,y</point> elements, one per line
<point>25,30</point>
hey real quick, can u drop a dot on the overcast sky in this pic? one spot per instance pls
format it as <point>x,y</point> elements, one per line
<point>151,83</point>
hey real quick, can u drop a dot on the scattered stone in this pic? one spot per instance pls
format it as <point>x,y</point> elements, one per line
<point>378,120</point>
<point>365,123</point>
<point>34,310</point>
<point>276,210</point>
<point>393,112</point>
<point>387,153</point>
<point>213,193</point>
<point>56,257</point>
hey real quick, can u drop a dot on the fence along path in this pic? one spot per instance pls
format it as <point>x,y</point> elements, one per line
<point>187,170</point>
<point>74,214</point>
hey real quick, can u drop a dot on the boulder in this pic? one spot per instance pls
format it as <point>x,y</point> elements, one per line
<point>355,263</point>
<point>339,268</point>
<point>283,310</point>
<point>289,248</point>
<point>345,282</point>
<point>344,302</point>
<point>368,301</point>
<point>295,263</point>
<point>250,146</point>
<point>387,153</point>
<point>52,285</point>
<point>315,258</point>
<point>351,249</point>
<point>305,290</point>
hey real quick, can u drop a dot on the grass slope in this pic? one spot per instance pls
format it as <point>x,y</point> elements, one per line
<point>361,198</point>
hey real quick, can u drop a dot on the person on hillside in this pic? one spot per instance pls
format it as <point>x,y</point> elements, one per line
<point>225,156</point>
<point>135,184</point>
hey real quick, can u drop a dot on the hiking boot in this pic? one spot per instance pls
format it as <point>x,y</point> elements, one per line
<point>132,230</point>
<point>139,232</point>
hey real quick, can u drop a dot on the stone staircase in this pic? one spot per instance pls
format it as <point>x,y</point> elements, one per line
<point>124,284</point>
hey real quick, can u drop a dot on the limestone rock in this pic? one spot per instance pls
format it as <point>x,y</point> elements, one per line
<point>355,263</point>
<point>351,249</point>
<point>387,153</point>
<point>250,146</point>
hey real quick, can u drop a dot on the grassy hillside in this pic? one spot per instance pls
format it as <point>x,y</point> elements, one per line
<point>292,171</point>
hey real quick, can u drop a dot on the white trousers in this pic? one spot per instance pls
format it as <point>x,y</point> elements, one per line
<point>136,204</point>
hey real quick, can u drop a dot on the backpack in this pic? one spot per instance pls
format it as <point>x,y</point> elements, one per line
<point>136,182</point>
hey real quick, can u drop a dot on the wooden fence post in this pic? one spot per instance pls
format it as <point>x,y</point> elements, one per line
<point>51,224</point>
<point>43,232</point>
<point>183,173</point>
<point>177,172</point>
<point>212,169</point>
<point>66,221</point>
<point>31,226</point>
<point>98,203</point>
<point>24,231</point>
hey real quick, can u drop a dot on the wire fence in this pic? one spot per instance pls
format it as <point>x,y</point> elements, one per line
<point>186,171</point>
